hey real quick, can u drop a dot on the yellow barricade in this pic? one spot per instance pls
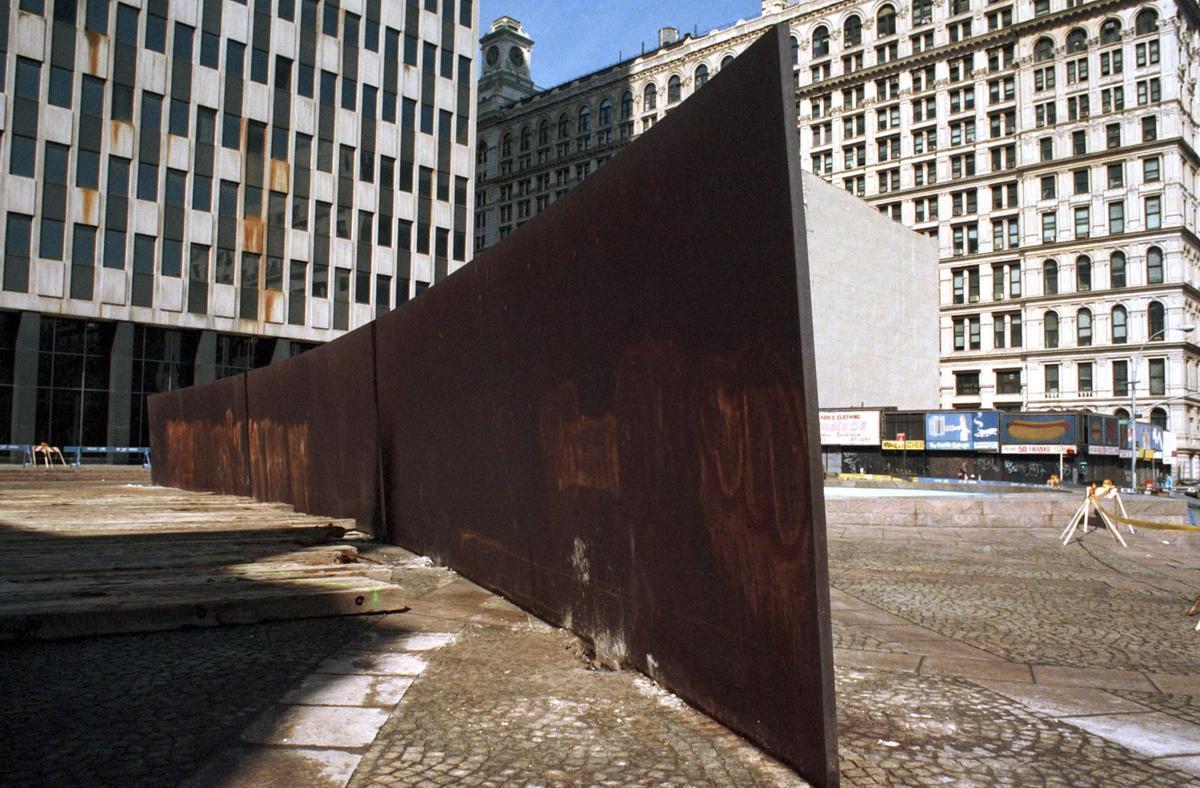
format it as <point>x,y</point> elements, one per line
<point>1144,523</point>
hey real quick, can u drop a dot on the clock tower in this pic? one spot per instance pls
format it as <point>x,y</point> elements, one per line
<point>506,63</point>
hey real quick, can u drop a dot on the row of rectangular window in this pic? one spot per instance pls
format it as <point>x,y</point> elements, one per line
<point>1009,381</point>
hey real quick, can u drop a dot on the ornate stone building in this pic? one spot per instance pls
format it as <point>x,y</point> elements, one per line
<point>1048,146</point>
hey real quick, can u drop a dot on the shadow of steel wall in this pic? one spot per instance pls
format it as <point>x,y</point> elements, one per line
<point>609,417</point>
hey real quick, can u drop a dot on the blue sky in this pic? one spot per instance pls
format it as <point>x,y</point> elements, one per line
<point>572,37</point>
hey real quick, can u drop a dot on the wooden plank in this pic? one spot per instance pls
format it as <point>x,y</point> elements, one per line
<point>81,558</point>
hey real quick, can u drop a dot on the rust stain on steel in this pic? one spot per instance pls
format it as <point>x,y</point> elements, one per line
<point>198,437</point>
<point>313,434</point>
<point>609,417</point>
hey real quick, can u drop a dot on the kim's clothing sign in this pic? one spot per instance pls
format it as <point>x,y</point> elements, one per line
<point>962,430</point>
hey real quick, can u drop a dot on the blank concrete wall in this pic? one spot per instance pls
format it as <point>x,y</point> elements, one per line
<point>875,303</point>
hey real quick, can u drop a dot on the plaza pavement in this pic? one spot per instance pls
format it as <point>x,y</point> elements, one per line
<point>964,655</point>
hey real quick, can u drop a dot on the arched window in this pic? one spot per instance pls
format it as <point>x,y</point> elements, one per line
<point>564,126</point>
<point>725,61</point>
<point>1049,277</point>
<point>852,32</point>
<point>506,146</point>
<point>1158,417</point>
<point>674,89</point>
<point>526,139</point>
<point>1076,40</point>
<point>701,76</point>
<point>795,51</point>
<point>543,133</point>
<point>1050,329</point>
<point>1116,267</point>
<point>605,117</point>
<point>1147,21</point>
<point>820,41</point>
<point>885,21</point>
<point>481,154</point>
<point>1043,49</point>
<point>1083,327</point>
<point>1083,273</point>
<point>626,105</point>
<point>1110,31</point>
<point>1154,266</point>
<point>649,97</point>
<point>585,119</point>
<point>1156,322</point>
<point>1122,415</point>
<point>1120,325</point>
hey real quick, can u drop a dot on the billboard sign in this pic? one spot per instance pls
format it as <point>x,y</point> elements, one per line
<point>1103,435</point>
<point>965,430</point>
<point>849,428</point>
<point>1038,433</point>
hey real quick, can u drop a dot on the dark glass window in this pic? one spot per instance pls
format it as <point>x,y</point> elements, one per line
<point>61,86</point>
<point>147,183</point>
<point>28,83</point>
<point>23,156</point>
<point>87,169</point>
<point>92,98</point>
<point>127,24</point>
<point>97,16</point>
<point>16,252</point>
<point>184,35</point>
<point>156,27</point>
<point>210,50</point>
<point>178,121</point>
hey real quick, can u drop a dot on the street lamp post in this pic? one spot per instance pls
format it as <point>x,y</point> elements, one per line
<point>1135,363</point>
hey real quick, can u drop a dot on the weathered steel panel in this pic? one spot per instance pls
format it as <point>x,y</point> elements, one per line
<point>313,432</point>
<point>198,437</point>
<point>610,417</point>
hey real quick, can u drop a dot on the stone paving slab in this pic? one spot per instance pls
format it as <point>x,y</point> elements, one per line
<point>1062,701</point>
<point>1185,763</point>
<point>1151,733</point>
<point>1091,677</point>
<point>324,689</point>
<point>975,668</point>
<point>317,726</point>
<point>1174,684</point>
<point>388,664</point>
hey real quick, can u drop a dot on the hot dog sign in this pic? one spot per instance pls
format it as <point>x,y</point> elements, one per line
<point>1038,433</point>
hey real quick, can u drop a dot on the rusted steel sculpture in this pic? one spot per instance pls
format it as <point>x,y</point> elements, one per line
<point>201,435</point>
<point>610,417</point>
<point>313,432</point>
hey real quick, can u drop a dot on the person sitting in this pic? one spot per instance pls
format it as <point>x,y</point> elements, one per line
<point>1054,481</point>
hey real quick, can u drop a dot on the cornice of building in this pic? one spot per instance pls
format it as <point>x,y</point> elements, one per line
<point>1072,300</point>
<point>985,40</point>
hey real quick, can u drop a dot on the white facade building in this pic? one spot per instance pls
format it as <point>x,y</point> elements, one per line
<point>193,188</point>
<point>1048,146</point>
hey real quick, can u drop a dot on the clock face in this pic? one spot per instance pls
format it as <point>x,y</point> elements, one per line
<point>516,56</point>
<point>493,55</point>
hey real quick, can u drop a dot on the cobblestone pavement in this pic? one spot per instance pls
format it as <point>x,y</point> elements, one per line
<point>900,729</point>
<point>970,658</point>
<point>145,709</point>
